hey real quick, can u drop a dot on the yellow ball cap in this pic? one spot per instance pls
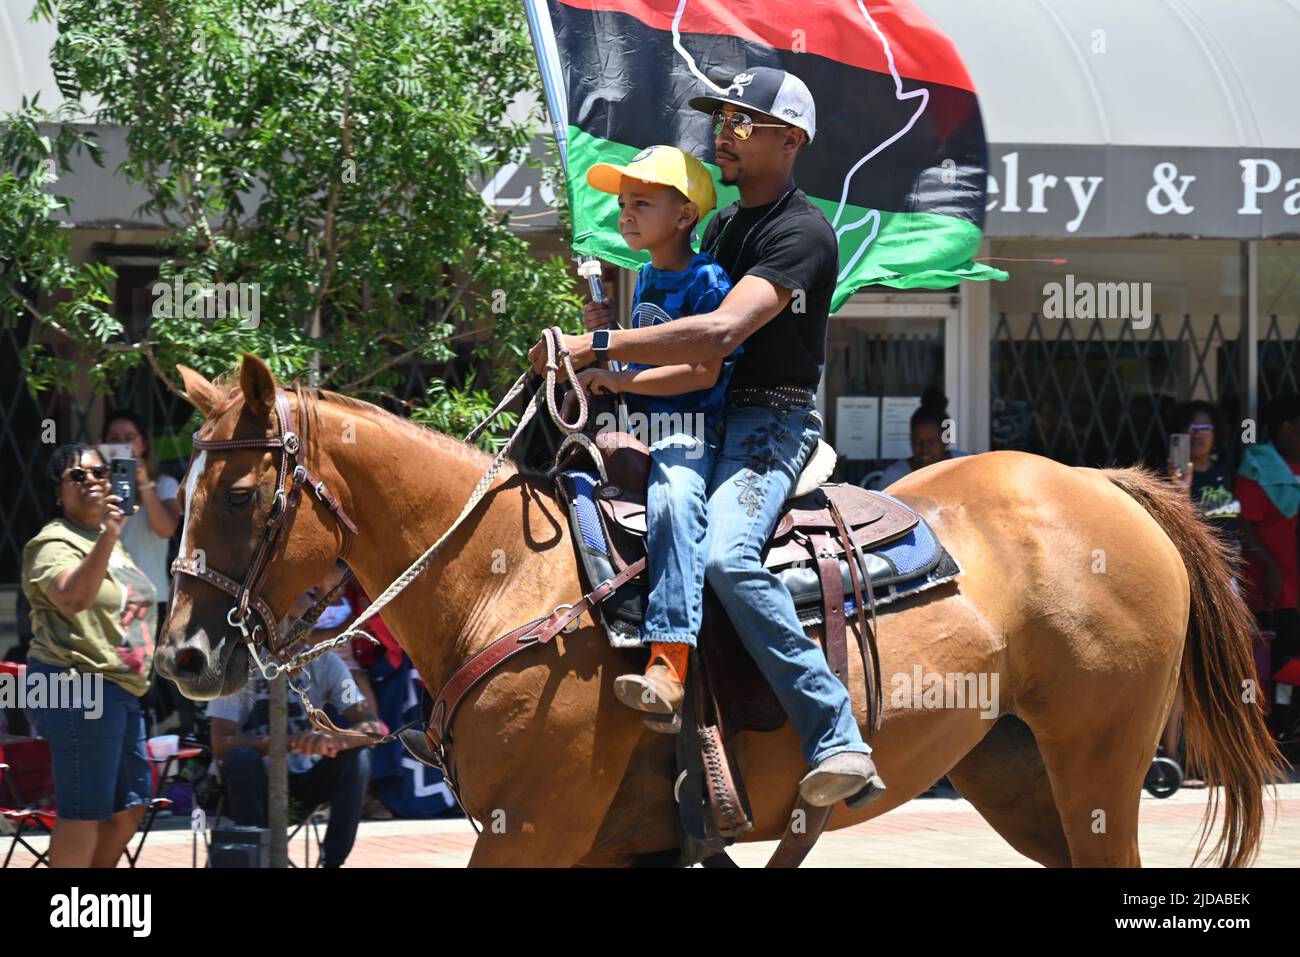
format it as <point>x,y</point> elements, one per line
<point>666,165</point>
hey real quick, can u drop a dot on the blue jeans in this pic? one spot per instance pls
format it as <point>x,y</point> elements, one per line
<point>98,755</point>
<point>762,453</point>
<point>339,781</point>
<point>677,534</point>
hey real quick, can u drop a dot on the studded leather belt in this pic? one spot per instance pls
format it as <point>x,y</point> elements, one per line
<point>783,398</point>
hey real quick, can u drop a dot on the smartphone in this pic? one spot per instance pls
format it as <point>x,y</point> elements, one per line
<point>111,451</point>
<point>122,477</point>
<point>1180,451</point>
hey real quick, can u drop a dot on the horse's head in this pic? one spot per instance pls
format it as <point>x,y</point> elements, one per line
<point>233,493</point>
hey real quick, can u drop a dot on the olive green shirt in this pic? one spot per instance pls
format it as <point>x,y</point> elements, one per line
<point>115,635</point>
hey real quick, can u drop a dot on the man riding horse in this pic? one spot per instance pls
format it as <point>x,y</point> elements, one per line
<point>782,256</point>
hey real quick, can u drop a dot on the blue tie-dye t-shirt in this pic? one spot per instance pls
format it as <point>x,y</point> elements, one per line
<point>662,296</point>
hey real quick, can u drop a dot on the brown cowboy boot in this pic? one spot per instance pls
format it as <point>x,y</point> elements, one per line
<point>660,691</point>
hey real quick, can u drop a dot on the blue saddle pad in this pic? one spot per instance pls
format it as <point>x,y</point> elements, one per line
<point>899,569</point>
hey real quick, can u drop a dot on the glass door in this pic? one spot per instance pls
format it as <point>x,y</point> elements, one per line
<point>882,356</point>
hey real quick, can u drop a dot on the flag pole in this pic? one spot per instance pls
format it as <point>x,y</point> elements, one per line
<point>548,64</point>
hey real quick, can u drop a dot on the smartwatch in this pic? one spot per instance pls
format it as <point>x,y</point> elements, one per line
<point>600,344</point>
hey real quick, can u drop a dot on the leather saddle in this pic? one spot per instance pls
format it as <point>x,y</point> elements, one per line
<point>820,549</point>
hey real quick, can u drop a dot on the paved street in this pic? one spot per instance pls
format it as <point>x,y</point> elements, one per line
<point>932,832</point>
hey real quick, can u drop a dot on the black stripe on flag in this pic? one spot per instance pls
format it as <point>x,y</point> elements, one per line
<point>628,84</point>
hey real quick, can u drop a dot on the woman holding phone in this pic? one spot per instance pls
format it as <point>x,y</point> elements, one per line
<point>1195,463</point>
<point>93,619</point>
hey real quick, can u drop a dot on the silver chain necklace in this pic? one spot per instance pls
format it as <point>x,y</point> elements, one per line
<point>717,243</point>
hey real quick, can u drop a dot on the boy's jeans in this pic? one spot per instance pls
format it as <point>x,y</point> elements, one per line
<point>677,534</point>
<point>762,453</point>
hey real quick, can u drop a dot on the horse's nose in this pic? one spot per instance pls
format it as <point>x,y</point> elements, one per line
<point>190,662</point>
<point>183,661</point>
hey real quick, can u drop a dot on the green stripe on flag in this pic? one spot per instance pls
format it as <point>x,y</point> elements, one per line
<point>903,243</point>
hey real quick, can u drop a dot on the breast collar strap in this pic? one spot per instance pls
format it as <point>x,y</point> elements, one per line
<point>291,476</point>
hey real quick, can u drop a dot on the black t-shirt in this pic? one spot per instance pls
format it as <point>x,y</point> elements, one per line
<point>1212,494</point>
<point>790,243</point>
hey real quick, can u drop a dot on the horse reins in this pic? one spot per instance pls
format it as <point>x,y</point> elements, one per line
<point>293,475</point>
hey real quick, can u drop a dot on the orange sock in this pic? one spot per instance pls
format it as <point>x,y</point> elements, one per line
<point>675,653</point>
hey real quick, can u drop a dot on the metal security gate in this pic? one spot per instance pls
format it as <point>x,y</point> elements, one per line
<point>1279,357</point>
<point>1101,392</point>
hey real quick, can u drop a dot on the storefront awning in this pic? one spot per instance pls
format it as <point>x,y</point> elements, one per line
<point>1136,117</point>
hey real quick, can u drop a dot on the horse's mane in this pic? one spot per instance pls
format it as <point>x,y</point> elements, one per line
<point>446,443</point>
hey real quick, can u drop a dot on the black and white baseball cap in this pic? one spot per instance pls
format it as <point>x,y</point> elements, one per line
<point>766,90</point>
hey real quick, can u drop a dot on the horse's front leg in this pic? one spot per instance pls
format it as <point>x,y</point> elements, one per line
<point>541,753</point>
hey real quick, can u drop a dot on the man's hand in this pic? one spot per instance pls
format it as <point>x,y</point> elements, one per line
<point>598,315</point>
<point>596,381</point>
<point>315,742</point>
<point>578,347</point>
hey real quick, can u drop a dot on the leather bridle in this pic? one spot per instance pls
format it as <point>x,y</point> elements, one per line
<point>292,476</point>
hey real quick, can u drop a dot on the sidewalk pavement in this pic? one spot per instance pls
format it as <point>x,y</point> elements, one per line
<point>929,832</point>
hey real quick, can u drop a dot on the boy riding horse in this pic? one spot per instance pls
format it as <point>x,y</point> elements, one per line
<point>782,256</point>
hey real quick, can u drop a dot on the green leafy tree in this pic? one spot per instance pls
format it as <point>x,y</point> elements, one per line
<point>312,160</point>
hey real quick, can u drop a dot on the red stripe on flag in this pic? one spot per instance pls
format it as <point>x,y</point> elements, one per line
<point>836,30</point>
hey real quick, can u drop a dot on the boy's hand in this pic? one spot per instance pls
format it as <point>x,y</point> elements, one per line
<point>598,315</point>
<point>597,381</point>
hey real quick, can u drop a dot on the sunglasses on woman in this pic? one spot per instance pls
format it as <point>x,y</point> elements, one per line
<point>79,475</point>
<point>742,124</point>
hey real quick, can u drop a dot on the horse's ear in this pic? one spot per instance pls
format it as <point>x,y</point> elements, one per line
<point>201,393</point>
<point>257,384</point>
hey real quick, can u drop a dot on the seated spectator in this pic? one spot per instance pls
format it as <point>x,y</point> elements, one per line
<point>1268,487</point>
<point>334,620</point>
<point>322,767</point>
<point>928,424</point>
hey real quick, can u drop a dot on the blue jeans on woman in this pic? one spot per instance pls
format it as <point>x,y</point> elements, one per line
<point>677,534</point>
<point>762,454</point>
<point>98,753</point>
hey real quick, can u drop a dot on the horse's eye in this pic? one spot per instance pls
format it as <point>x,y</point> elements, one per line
<point>239,496</point>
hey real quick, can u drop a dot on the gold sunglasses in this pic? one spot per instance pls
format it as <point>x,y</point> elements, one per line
<point>742,124</point>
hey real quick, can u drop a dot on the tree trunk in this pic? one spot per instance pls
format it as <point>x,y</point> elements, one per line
<point>277,811</point>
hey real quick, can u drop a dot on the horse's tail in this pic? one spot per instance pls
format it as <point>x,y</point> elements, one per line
<point>1226,736</point>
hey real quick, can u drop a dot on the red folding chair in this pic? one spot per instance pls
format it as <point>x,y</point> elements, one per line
<point>26,794</point>
<point>161,769</point>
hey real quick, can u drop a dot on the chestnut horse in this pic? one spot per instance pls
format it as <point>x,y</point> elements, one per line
<point>1085,592</point>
